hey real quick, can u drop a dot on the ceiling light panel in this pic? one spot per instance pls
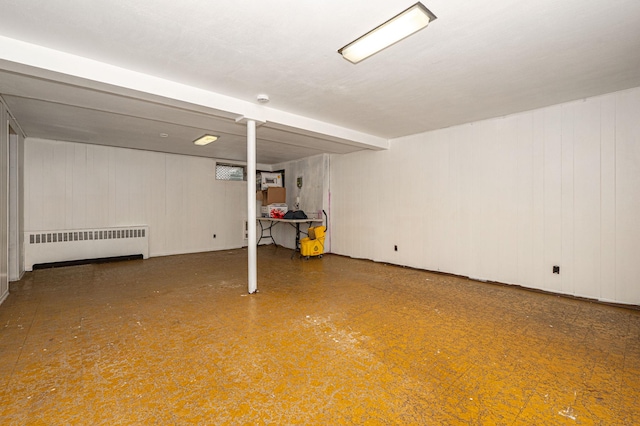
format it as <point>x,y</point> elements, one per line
<point>395,29</point>
<point>206,139</point>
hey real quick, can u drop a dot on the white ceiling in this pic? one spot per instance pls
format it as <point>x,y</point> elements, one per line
<point>122,72</point>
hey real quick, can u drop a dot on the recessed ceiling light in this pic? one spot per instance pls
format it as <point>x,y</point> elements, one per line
<point>206,139</point>
<point>164,135</point>
<point>395,29</point>
<point>263,98</point>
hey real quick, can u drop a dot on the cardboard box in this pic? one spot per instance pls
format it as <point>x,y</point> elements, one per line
<point>275,211</point>
<point>273,195</point>
<point>270,180</point>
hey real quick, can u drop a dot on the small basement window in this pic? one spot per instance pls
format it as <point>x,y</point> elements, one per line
<point>231,172</point>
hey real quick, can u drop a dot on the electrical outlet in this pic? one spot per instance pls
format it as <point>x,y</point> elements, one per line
<point>556,269</point>
<point>395,248</point>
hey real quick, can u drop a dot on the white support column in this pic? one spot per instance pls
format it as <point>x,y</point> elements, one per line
<point>252,247</point>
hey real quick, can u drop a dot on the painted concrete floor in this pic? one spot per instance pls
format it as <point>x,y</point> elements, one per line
<point>176,340</point>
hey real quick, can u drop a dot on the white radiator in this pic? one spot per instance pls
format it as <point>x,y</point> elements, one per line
<point>82,244</point>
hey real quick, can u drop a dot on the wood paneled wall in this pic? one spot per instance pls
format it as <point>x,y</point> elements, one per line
<point>506,199</point>
<point>75,185</point>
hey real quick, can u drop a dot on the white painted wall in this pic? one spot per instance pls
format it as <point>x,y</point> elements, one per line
<point>505,199</point>
<point>314,194</point>
<point>4,203</point>
<point>74,185</point>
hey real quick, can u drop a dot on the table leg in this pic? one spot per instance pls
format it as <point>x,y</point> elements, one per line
<point>297,249</point>
<point>261,233</point>
<point>269,228</point>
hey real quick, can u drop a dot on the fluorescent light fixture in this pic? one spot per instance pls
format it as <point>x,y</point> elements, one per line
<point>395,29</point>
<point>206,139</point>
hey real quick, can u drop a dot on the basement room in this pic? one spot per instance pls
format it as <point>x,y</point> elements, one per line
<point>297,213</point>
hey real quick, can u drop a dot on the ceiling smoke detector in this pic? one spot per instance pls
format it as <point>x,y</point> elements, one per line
<point>262,98</point>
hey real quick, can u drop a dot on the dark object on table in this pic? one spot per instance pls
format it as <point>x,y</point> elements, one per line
<point>295,214</point>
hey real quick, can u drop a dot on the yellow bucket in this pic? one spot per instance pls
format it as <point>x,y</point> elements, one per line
<point>314,244</point>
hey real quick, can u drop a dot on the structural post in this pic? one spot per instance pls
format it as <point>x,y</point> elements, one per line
<point>252,248</point>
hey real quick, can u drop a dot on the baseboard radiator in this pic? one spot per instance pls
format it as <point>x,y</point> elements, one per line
<point>44,247</point>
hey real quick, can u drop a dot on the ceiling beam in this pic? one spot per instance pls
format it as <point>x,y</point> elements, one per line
<point>38,61</point>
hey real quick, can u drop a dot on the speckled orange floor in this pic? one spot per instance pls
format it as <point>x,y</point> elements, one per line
<point>176,340</point>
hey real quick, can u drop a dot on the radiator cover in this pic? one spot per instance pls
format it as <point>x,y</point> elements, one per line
<point>81,244</point>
